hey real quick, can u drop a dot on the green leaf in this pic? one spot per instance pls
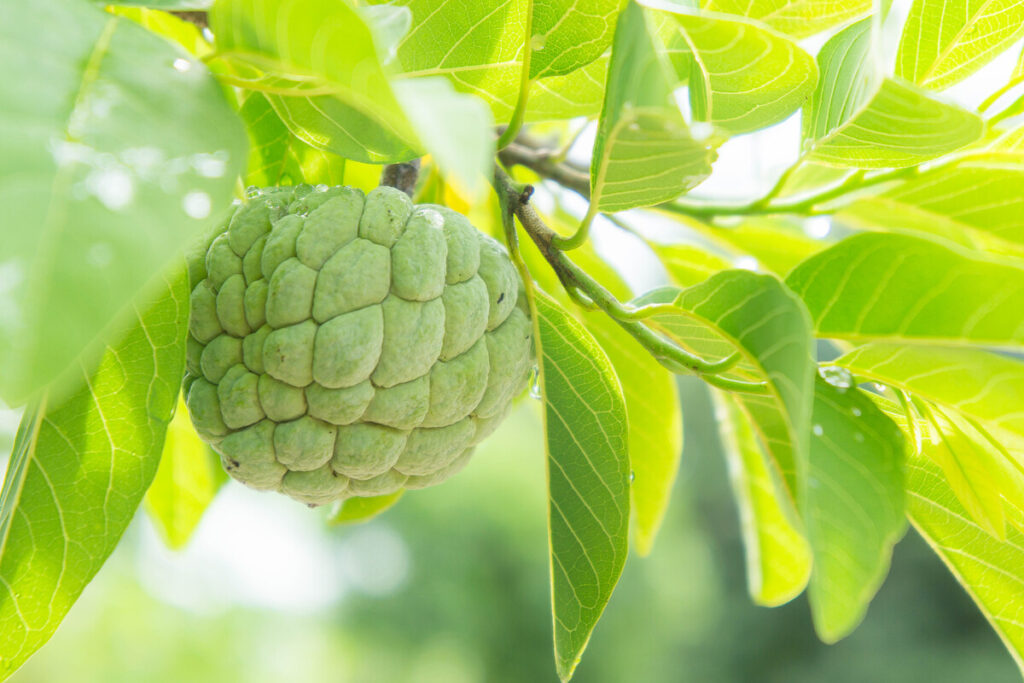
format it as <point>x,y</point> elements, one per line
<point>477,45</point>
<point>162,4</point>
<point>329,44</point>
<point>797,18</point>
<point>321,60</point>
<point>358,510</point>
<point>742,77</point>
<point>776,243</point>
<point>689,265</point>
<point>569,34</point>
<point>80,470</point>
<point>988,568</point>
<point>975,203</point>
<point>877,286</point>
<point>655,435</point>
<point>979,384</point>
<point>579,93</point>
<point>654,414</point>
<point>588,477</point>
<point>185,33</point>
<point>276,157</point>
<point>851,503</point>
<point>458,129</point>
<point>125,149</point>
<point>856,118</point>
<point>756,316</point>
<point>188,478</point>
<point>944,41</point>
<point>980,476</point>
<point>778,557</point>
<point>644,153</point>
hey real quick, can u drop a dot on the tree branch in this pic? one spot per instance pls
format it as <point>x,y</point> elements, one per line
<point>529,154</point>
<point>515,202</point>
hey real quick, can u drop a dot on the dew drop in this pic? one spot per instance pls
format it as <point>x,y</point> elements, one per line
<point>838,377</point>
<point>181,64</point>
<point>856,411</point>
<point>632,476</point>
<point>537,41</point>
<point>817,429</point>
<point>535,391</point>
<point>857,436</point>
<point>252,191</point>
<point>196,204</point>
<point>207,34</point>
<point>321,188</point>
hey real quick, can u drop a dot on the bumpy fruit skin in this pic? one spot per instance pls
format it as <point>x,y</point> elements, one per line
<point>349,345</point>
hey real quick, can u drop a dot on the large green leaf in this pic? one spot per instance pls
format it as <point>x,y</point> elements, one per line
<point>329,43</point>
<point>655,434</point>
<point>644,152</point>
<point>857,118</point>
<point>569,34</point>
<point>688,264</point>
<point>277,157</point>
<point>976,203</point>
<point>579,93</point>
<point>877,286</point>
<point>588,477</point>
<point>985,479</point>
<point>776,243</point>
<point>851,504</point>
<point>988,568</point>
<point>797,18</point>
<point>189,476</point>
<point>754,315</point>
<point>79,470</point>
<point>777,554</point>
<point>124,149</point>
<point>984,386</point>
<point>319,62</point>
<point>742,77</point>
<point>162,4</point>
<point>944,41</point>
<point>479,46</point>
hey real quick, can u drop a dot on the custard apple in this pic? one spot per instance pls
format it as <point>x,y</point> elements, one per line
<point>349,345</point>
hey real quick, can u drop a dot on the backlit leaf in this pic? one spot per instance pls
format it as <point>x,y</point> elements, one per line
<point>588,477</point>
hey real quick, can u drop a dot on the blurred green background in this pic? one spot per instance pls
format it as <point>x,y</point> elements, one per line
<point>451,587</point>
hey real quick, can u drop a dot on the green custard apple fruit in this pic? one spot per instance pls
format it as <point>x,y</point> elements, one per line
<point>348,345</point>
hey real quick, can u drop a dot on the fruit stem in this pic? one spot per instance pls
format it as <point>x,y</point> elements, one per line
<point>401,176</point>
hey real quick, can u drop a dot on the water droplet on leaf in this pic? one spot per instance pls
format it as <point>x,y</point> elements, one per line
<point>181,64</point>
<point>537,41</point>
<point>838,377</point>
<point>817,429</point>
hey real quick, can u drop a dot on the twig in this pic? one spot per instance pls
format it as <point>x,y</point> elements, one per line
<point>402,176</point>
<point>514,198</point>
<point>541,161</point>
